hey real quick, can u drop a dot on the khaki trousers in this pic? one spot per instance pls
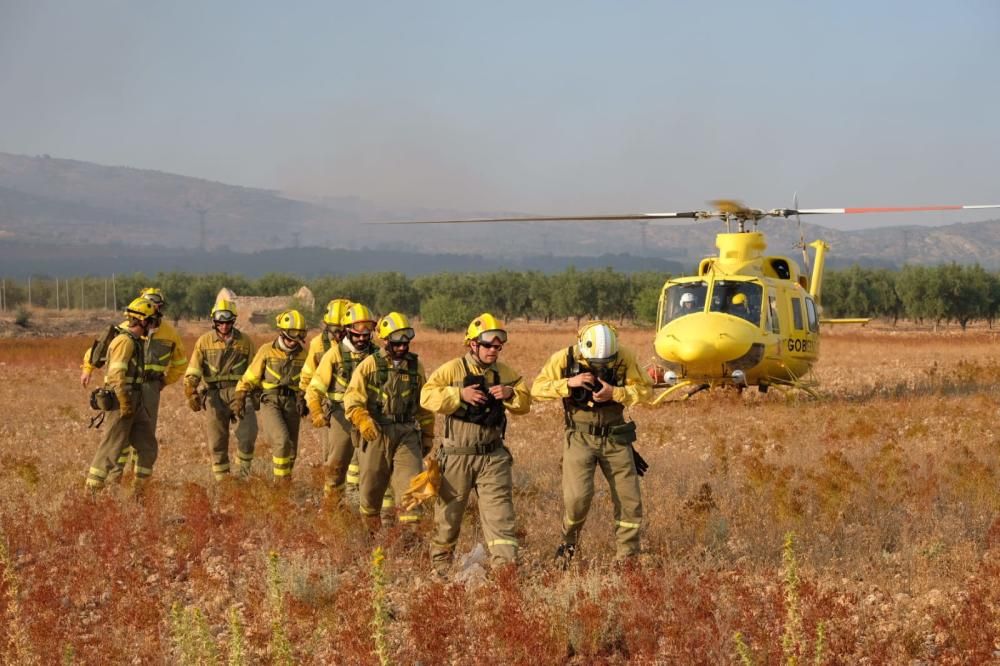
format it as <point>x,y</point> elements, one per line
<point>279,421</point>
<point>583,453</point>
<point>218,416</point>
<point>490,476</point>
<point>392,459</point>
<point>151,399</point>
<point>339,442</point>
<point>139,430</point>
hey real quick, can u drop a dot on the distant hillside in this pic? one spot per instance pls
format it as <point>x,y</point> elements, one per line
<point>64,203</point>
<point>19,259</point>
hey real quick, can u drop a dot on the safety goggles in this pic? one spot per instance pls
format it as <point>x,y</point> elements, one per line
<point>401,336</point>
<point>296,334</point>
<point>224,317</point>
<point>359,327</point>
<point>493,336</point>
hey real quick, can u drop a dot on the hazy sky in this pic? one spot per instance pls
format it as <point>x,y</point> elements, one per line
<point>543,107</point>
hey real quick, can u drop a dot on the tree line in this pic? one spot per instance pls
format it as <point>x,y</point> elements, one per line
<point>948,293</point>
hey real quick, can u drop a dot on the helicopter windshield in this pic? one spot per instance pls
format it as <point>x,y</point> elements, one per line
<point>683,299</point>
<point>740,299</point>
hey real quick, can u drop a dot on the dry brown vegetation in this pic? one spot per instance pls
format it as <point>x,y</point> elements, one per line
<point>889,485</point>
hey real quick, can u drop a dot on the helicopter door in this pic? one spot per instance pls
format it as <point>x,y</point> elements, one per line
<point>772,303</point>
<point>797,320</point>
<point>811,315</point>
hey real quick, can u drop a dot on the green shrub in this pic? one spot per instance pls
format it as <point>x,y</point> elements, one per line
<point>447,314</point>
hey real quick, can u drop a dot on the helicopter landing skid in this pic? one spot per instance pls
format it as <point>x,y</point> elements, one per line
<point>698,388</point>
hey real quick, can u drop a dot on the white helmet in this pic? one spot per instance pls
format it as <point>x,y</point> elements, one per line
<point>598,342</point>
<point>687,297</point>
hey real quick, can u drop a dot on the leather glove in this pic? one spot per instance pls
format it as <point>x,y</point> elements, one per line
<point>423,487</point>
<point>362,420</point>
<point>640,463</point>
<point>320,421</point>
<point>194,402</point>
<point>124,403</point>
<point>239,404</point>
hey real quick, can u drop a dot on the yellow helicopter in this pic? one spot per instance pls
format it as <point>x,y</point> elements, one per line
<point>745,318</point>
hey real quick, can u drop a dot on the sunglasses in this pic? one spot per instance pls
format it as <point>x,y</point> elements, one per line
<point>491,345</point>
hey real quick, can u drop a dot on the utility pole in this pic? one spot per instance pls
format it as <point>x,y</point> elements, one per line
<point>57,294</point>
<point>114,292</point>
<point>81,293</point>
<point>105,293</point>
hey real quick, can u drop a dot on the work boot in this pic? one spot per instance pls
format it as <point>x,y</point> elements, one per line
<point>564,554</point>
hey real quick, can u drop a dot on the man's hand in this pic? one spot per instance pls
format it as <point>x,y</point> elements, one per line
<point>191,394</point>
<point>502,392</point>
<point>362,420</point>
<point>604,393</point>
<point>124,403</point>
<point>582,379</point>
<point>472,395</point>
<point>85,377</point>
<point>239,404</point>
<point>319,420</point>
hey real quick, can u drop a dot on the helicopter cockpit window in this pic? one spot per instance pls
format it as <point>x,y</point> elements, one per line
<point>740,299</point>
<point>797,314</point>
<point>683,299</point>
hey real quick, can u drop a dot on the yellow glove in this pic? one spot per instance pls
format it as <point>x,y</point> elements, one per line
<point>193,399</point>
<point>124,403</point>
<point>319,420</point>
<point>423,486</point>
<point>362,420</point>
<point>239,404</point>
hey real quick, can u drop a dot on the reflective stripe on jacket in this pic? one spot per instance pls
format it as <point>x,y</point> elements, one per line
<point>216,360</point>
<point>273,369</point>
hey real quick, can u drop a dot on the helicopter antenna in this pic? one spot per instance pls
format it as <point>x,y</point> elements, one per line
<point>802,237</point>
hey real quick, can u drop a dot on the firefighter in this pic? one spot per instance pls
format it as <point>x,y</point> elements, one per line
<point>325,397</point>
<point>276,371</point>
<point>597,380</point>
<point>475,392</point>
<point>383,402</point>
<point>165,361</point>
<point>123,400</point>
<point>220,357</point>
<point>332,333</point>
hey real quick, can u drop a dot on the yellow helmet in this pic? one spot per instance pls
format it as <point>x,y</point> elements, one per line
<point>153,295</point>
<point>598,342</point>
<point>141,309</point>
<point>224,310</point>
<point>336,310</point>
<point>359,318</point>
<point>292,324</point>
<point>485,324</point>
<point>739,299</point>
<point>395,327</point>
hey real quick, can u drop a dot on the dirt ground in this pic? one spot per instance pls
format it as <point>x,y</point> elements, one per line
<point>858,528</point>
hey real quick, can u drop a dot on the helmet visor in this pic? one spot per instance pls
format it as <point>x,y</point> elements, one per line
<point>223,317</point>
<point>402,335</point>
<point>360,327</point>
<point>296,334</point>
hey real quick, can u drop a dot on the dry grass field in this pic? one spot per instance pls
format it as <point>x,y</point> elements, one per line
<point>859,528</point>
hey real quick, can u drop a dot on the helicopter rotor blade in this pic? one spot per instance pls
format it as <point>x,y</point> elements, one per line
<point>694,214</point>
<point>883,209</point>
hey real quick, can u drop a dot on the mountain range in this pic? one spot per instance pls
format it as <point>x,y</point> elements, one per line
<point>62,216</point>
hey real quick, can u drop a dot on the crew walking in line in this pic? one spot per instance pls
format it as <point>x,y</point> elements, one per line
<point>597,379</point>
<point>475,392</point>
<point>219,358</point>
<point>276,371</point>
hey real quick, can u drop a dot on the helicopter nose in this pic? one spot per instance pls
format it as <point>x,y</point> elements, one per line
<point>704,339</point>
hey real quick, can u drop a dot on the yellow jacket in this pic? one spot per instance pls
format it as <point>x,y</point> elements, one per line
<point>165,354</point>
<point>328,380</point>
<point>442,392</point>
<point>317,347</point>
<point>273,368</point>
<point>550,384</point>
<point>124,366</point>
<point>367,394</point>
<point>215,360</point>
